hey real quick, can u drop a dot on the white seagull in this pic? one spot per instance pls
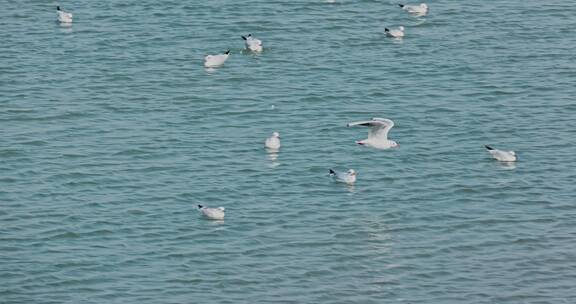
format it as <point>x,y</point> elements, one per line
<point>273,142</point>
<point>253,44</point>
<point>503,156</point>
<point>212,213</point>
<point>419,10</point>
<point>344,177</point>
<point>63,16</point>
<point>212,61</point>
<point>378,133</point>
<point>395,33</point>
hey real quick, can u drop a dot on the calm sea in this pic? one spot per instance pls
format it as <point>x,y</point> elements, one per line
<point>112,131</point>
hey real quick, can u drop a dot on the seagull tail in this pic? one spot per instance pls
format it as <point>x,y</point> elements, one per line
<point>386,30</point>
<point>227,52</point>
<point>200,206</point>
<point>401,5</point>
<point>332,173</point>
<point>244,38</point>
<point>57,8</point>
<point>488,147</point>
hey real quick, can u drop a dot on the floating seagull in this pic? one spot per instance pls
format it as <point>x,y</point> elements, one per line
<point>504,156</point>
<point>273,142</point>
<point>348,177</point>
<point>395,33</point>
<point>419,10</point>
<point>253,44</point>
<point>212,213</point>
<point>212,61</point>
<point>378,133</point>
<point>63,16</point>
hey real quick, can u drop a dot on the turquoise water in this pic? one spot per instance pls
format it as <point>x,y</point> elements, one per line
<point>112,132</point>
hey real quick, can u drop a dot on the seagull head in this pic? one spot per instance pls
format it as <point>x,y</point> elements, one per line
<point>351,172</point>
<point>394,144</point>
<point>401,28</point>
<point>424,5</point>
<point>276,134</point>
<point>221,208</point>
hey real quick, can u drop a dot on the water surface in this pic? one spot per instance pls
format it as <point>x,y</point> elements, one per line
<point>112,132</point>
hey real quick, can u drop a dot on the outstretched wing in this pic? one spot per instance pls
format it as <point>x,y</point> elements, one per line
<point>379,127</point>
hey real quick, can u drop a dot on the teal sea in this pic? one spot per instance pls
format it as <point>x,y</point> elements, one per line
<point>112,131</point>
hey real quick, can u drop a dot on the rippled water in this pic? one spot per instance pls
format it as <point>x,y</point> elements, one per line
<point>112,132</point>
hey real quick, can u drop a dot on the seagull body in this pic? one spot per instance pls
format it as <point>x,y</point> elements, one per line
<point>253,44</point>
<point>420,10</point>
<point>378,133</point>
<point>348,177</point>
<point>212,61</point>
<point>212,213</point>
<point>63,16</point>
<point>503,156</point>
<point>395,33</point>
<point>273,142</point>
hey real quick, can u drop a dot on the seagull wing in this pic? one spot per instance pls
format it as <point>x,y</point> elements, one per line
<point>502,155</point>
<point>379,127</point>
<point>213,212</point>
<point>341,175</point>
<point>64,16</point>
<point>253,42</point>
<point>412,8</point>
<point>338,175</point>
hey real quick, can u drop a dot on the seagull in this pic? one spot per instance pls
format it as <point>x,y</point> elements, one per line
<point>212,213</point>
<point>504,156</point>
<point>395,33</point>
<point>253,44</point>
<point>63,16</point>
<point>273,142</point>
<point>212,61</point>
<point>378,133</point>
<point>419,10</point>
<point>349,177</point>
